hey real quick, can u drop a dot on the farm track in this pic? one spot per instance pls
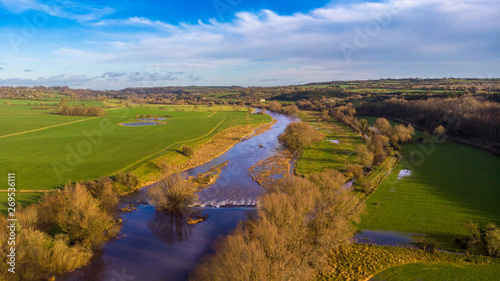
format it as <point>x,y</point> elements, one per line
<point>40,129</point>
<point>48,127</point>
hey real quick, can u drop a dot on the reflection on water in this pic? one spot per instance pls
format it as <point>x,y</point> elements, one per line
<point>170,227</point>
<point>141,124</point>
<point>145,253</point>
<point>386,238</point>
<point>162,246</point>
<point>235,187</point>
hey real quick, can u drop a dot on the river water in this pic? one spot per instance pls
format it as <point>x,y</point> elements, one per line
<point>158,246</point>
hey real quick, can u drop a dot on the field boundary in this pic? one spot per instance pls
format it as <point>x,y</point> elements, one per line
<point>384,170</point>
<point>452,138</point>
<point>53,126</point>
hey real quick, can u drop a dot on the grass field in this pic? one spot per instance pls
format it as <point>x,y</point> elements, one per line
<point>447,187</point>
<point>96,147</point>
<point>324,154</point>
<point>48,102</point>
<point>440,271</point>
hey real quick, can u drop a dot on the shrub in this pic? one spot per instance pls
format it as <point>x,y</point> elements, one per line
<point>187,151</point>
<point>366,187</point>
<point>164,167</point>
<point>129,180</point>
<point>427,244</point>
<point>492,239</point>
<point>173,193</point>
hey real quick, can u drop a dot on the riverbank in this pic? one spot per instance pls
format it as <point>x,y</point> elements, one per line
<point>206,149</point>
<point>157,244</point>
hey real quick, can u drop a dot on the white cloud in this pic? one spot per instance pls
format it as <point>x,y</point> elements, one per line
<point>58,8</point>
<point>109,80</point>
<point>388,39</point>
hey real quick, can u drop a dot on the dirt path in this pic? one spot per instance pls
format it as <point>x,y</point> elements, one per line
<point>52,126</point>
<point>39,129</point>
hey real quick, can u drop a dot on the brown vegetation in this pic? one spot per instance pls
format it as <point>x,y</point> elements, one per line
<point>203,180</point>
<point>58,234</point>
<point>220,143</point>
<point>130,180</point>
<point>268,170</point>
<point>298,223</point>
<point>187,151</point>
<point>64,109</point>
<point>365,156</point>
<point>298,135</point>
<point>275,106</point>
<point>465,117</point>
<point>173,193</point>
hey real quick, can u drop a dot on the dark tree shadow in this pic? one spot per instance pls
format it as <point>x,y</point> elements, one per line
<point>170,227</point>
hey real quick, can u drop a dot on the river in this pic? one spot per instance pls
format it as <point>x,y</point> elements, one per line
<point>158,246</point>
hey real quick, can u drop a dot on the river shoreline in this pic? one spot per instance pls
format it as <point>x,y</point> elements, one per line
<point>155,245</point>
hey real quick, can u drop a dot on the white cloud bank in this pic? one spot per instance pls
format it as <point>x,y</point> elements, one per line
<point>340,41</point>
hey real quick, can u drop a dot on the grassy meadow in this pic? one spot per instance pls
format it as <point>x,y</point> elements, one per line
<point>440,271</point>
<point>324,154</point>
<point>97,146</point>
<point>450,184</point>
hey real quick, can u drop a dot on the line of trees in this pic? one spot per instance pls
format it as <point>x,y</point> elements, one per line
<point>465,117</point>
<point>278,107</point>
<point>79,111</point>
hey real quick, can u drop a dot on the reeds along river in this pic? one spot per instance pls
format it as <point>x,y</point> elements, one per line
<point>162,246</point>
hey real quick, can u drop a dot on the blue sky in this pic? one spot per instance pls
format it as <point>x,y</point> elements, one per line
<point>106,44</point>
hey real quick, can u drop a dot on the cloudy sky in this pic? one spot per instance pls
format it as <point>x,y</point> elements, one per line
<point>105,44</point>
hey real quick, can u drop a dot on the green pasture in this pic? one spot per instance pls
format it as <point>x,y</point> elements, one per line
<point>324,154</point>
<point>97,147</point>
<point>449,185</point>
<point>25,121</point>
<point>440,271</point>
<point>44,101</point>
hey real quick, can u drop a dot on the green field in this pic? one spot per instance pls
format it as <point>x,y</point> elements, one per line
<point>95,147</point>
<point>324,154</point>
<point>452,185</point>
<point>48,102</point>
<point>440,271</point>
